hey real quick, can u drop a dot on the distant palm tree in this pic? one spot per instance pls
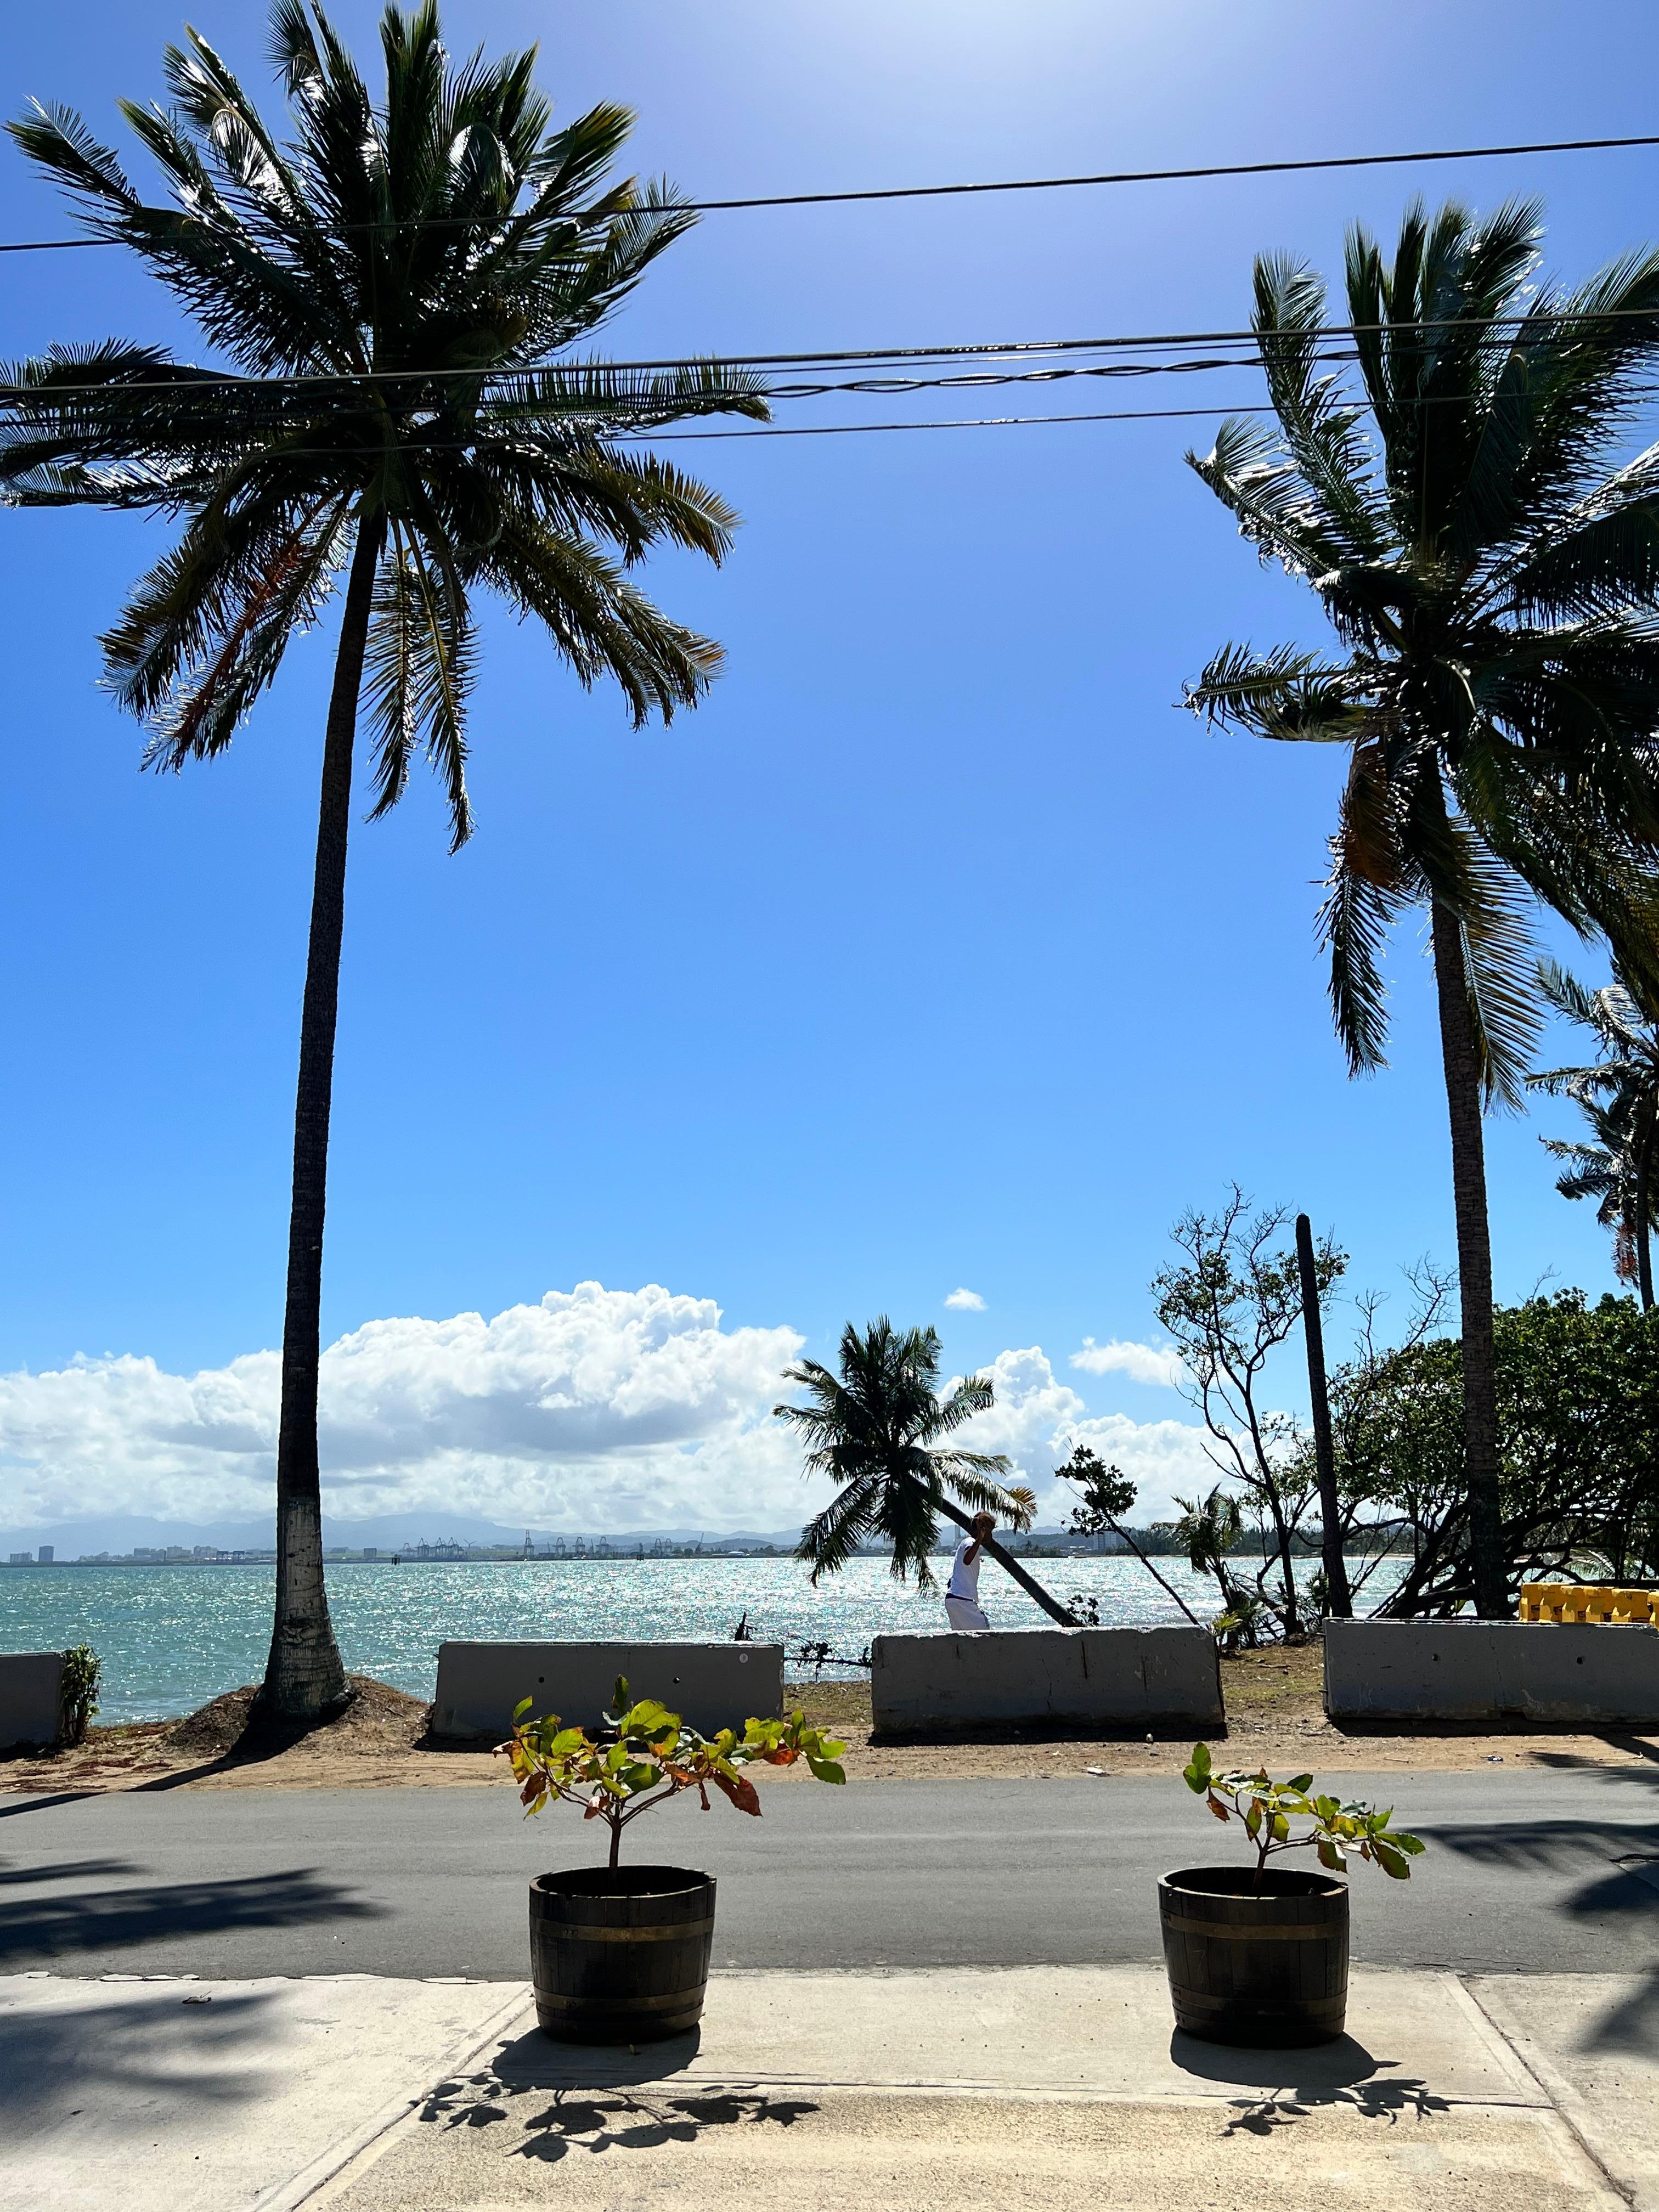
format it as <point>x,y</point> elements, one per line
<point>1490,579</point>
<point>1618,1095</point>
<point>1208,1529</point>
<point>390,289</point>
<point>879,1430</point>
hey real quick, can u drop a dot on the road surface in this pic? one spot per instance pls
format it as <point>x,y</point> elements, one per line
<point>1526,1870</point>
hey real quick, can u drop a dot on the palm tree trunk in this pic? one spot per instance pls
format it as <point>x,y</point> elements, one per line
<point>1339,1598</point>
<point>1029,1583</point>
<point>304,1674</point>
<point>1643,1212</point>
<point>1474,1267</point>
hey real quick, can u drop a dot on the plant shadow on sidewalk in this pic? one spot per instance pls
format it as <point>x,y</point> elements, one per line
<point>601,2099</point>
<point>1294,2084</point>
<point>1613,1857</point>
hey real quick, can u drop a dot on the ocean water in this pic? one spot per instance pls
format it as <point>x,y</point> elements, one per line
<point>172,1637</point>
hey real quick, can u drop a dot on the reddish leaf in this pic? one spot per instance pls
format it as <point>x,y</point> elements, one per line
<point>740,1790</point>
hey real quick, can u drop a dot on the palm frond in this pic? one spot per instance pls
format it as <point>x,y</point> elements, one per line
<point>1285,693</point>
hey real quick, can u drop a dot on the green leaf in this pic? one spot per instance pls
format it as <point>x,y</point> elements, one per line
<point>1301,1783</point>
<point>825,1770</point>
<point>522,1707</point>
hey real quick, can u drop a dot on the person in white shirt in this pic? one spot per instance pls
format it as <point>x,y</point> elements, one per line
<point>961,1606</point>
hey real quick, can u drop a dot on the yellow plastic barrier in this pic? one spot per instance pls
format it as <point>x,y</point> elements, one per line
<point>1587,1602</point>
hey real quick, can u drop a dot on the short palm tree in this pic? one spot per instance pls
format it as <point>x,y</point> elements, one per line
<point>1619,1096</point>
<point>1208,1531</point>
<point>389,293</point>
<point>1490,576</point>
<point>879,1430</point>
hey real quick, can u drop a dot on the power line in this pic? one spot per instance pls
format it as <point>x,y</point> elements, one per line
<point>1178,176</point>
<point>863,429</point>
<point>965,423</point>
<point>1550,323</point>
<point>1207,170</point>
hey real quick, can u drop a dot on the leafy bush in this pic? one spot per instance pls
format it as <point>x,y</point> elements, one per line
<point>78,1700</point>
<point>1578,1416</point>
<point>643,1755</point>
<point>1267,1809</point>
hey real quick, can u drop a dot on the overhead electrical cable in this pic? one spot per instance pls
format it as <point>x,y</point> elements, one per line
<point>1550,324</point>
<point>500,433</point>
<point>1106,177</point>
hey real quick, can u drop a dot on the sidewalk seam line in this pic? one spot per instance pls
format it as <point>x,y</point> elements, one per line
<point>300,2188</point>
<point>1564,2099</point>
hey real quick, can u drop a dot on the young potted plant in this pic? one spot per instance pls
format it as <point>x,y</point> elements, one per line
<point>620,1954</point>
<point>1260,1955</point>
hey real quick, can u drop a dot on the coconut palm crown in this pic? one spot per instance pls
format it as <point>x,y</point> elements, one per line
<point>1618,1097</point>
<point>389,288</point>
<point>879,1431</point>
<point>1489,569</point>
<point>393,295</point>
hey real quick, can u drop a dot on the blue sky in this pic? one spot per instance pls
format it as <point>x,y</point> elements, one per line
<point>938,949</point>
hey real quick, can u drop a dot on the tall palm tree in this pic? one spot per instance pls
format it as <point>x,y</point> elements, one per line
<point>388,291</point>
<point>1489,575</point>
<point>879,1429</point>
<point>1618,1095</point>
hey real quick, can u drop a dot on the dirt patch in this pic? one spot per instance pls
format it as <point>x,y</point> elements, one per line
<point>377,1719</point>
<point>379,1742</point>
<point>378,1738</point>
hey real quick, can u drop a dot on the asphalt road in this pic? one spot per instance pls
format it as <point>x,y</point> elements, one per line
<point>1526,1870</point>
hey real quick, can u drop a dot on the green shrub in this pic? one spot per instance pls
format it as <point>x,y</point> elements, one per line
<point>79,1701</point>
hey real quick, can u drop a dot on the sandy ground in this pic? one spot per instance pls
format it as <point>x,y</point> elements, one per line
<point>380,1741</point>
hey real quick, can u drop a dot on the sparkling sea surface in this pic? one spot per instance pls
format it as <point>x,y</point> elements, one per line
<point>172,1637</point>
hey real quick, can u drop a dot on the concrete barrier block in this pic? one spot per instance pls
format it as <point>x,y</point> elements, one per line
<point>1571,1674</point>
<point>31,1697</point>
<point>712,1686</point>
<point>1120,1677</point>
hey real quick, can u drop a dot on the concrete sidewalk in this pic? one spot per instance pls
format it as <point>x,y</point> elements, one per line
<point>1050,2086</point>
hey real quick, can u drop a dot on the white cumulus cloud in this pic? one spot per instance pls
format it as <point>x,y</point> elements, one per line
<point>591,1409</point>
<point>594,1408</point>
<point>1037,1418</point>
<point>965,1301</point>
<point>1141,1363</point>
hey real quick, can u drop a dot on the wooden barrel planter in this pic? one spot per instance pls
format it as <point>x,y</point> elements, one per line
<point>620,1954</point>
<point>1267,1967</point>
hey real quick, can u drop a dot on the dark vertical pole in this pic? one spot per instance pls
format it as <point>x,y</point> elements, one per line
<point>1339,1598</point>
